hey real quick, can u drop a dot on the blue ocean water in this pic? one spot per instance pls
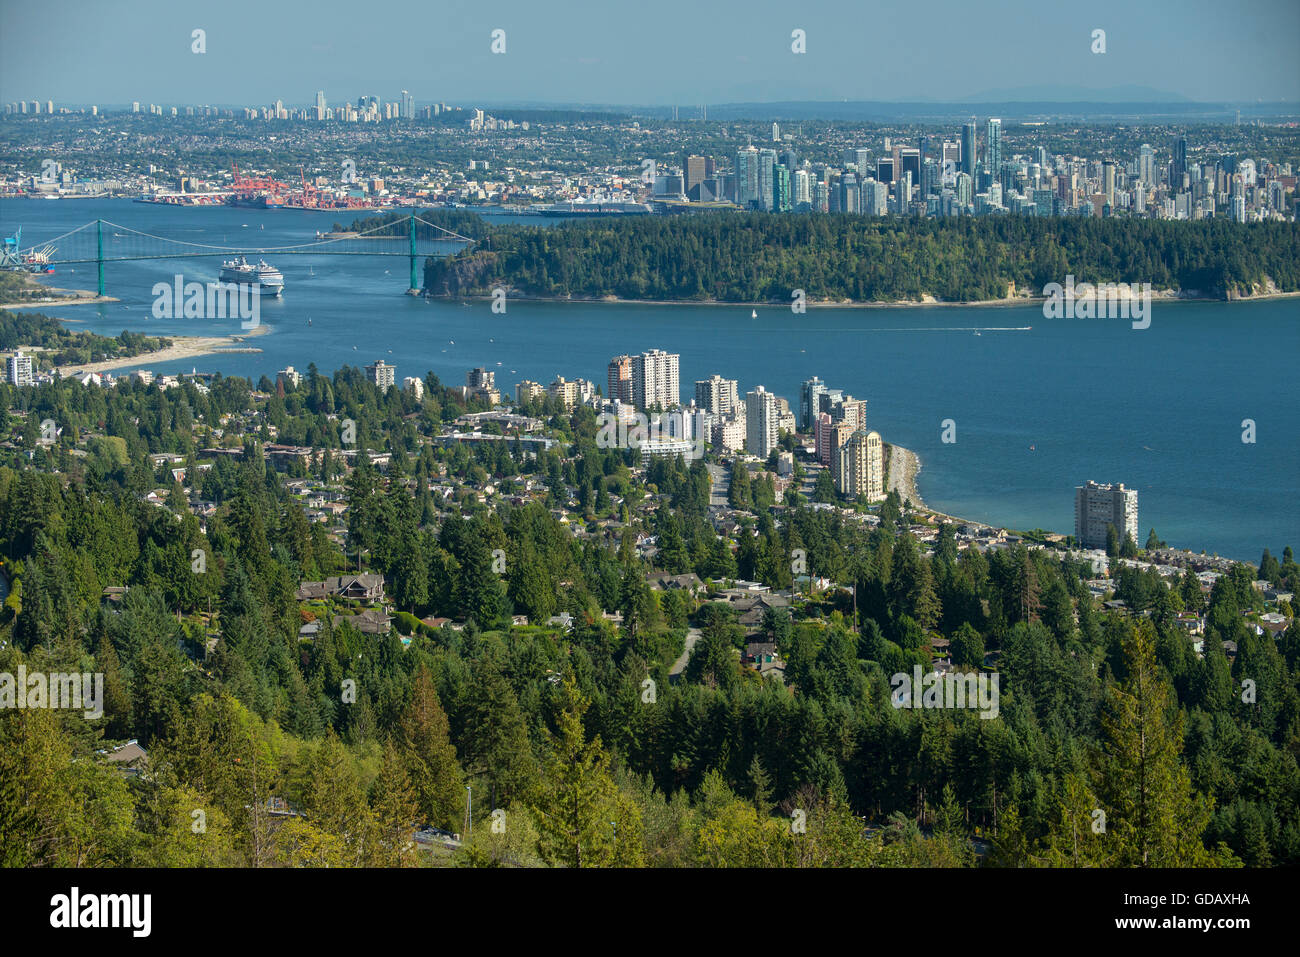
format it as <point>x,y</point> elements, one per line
<point>1159,409</point>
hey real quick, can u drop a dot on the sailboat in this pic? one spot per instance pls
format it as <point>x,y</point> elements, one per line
<point>753,313</point>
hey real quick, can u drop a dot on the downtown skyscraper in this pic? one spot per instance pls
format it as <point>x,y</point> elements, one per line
<point>746,176</point>
<point>993,147</point>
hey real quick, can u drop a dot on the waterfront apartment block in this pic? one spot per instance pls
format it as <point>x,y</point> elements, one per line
<point>858,463</point>
<point>528,390</point>
<point>810,393</point>
<point>382,374</point>
<point>816,399</point>
<point>565,391</point>
<point>717,395</point>
<point>619,384</point>
<point>1097,507</point>
<point>645,381</point>
<point>654,380</point>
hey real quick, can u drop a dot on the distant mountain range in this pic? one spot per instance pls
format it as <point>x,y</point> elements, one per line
<point>1057,93</point>
<point>1038,102</point>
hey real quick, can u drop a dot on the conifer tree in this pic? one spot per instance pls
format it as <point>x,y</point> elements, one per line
<point>430,757</point>
<point>582,818</point>
<point>1154,818</point>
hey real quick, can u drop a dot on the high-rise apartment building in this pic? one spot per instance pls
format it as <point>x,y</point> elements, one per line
<point>565,391</point>
<point>761,422</point>
<point>810,393</point>
<point>858,465</point>
<point>993,146</point>
<point>619,383</point>
<point>910,162</point>
<point>850,195</point>
<point>1097,507</point>
<point>382,374</point>
<point>746,176</point>
<point>1108,182</point>
<point>965,189</point>
<point>968,148</point>
<point>766,179</point>
<point>1147,165</point>
<point>695,172</point>
<point>528,390</point>
<point>835,436</point>
<point>717,395</point>
<point>800,186</point>
<point>18,369</point>
<point>781,189</point>
<point>482,385</point>
<point>1179,165</point>
<point>950,155</point>
<point>875,198</point>
<point>654,380</point>
<point>851,410</point>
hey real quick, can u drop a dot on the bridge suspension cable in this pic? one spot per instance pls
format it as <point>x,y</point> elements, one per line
<point>103,241</point>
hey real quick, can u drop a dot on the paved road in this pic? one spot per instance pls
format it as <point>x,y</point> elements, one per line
<point>692,636</point>
<point>721,480</point>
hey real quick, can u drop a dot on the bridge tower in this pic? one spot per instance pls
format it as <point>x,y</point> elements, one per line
<point>415,283</point>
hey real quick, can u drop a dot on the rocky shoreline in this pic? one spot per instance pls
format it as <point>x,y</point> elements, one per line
<point>903,466</point>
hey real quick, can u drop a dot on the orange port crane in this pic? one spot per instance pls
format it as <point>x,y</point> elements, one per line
<point>254,184</point>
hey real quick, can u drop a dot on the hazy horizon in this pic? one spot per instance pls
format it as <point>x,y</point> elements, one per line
<point>83,52</point>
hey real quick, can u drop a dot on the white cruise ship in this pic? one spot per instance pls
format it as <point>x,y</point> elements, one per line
<point>268,280</point>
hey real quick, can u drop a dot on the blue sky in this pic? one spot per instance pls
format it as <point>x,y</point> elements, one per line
<point>669,51</point>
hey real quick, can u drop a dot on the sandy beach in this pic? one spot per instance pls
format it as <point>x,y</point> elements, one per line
<point>182,347</point>
<point>89,297</point>
<point>41,295</point>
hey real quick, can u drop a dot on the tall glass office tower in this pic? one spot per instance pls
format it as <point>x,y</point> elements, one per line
<point>766,179</point>
<point>746,176</point>
<point>993,149</point>
<point>968,148</point>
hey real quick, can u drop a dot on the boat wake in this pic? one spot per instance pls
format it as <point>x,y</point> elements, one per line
<point>930,329</point>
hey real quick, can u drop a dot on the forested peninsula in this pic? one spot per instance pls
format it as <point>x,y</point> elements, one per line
<point>758,257</point>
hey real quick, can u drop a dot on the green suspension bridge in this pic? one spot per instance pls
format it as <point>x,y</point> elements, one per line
<point>103,242</point>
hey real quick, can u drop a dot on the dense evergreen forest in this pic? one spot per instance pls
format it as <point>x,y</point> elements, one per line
<point>761,257</point>
<point>366,735</point>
